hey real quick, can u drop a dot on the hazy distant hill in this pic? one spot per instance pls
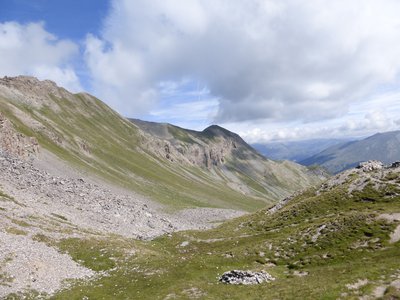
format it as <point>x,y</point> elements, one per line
<point>381,146</point>
<point>296,150</point>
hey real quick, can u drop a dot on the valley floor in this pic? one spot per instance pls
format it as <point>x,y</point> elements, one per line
<point>338,241</point>
<point>47,200</point>
<point>61,239</point>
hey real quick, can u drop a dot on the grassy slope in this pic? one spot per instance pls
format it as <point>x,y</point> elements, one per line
<point>242,164</point>
<point>114,154</point>
<point>353,245</point>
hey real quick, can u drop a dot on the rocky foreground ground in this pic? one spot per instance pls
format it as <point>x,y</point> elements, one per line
<point>36,201</point>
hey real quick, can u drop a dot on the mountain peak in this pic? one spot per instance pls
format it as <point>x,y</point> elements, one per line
<point>27,80</point>
<point>31,91</point>
<point>216,130</point>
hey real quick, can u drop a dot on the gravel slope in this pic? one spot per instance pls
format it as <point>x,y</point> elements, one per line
<point>38,201</point>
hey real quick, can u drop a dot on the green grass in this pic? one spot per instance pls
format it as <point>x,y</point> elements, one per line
<point>16,231</point>
<point>59,217</point>
<point>21,223</point>
<point>4,197</point>
<point>353,244</point>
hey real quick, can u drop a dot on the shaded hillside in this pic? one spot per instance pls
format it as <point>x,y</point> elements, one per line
<point>85,133</point>
<point>384,147</point>
<point>347,229</point>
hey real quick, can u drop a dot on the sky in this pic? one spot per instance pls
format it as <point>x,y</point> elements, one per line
<point>270,70</point>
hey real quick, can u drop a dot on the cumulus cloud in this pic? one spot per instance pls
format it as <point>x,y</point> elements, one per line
<point>31,50</point>
<point>348,126</point>
<point>264,59</point>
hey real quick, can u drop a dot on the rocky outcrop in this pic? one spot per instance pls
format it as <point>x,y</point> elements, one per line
<point>32,91</point>
<point>245,277</point>
<point>370,165</point>
<point>15,143</point>
<point>372,172</point>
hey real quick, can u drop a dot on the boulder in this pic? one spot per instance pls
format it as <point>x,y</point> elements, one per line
<point>245,277</point>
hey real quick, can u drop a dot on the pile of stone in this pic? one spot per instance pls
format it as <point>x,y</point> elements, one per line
<point>370,165</point>
<point>245,277</point>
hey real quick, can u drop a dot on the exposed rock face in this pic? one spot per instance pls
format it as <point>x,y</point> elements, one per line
<point>15,143</point>
<point>199,154</point>
<point>212,147</point>
<point>245,277</point>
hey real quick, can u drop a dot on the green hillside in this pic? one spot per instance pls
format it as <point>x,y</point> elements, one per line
<point>87,134</point>
<point>331,242</point>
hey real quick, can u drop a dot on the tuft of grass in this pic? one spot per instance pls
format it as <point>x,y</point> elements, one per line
<point>59,216</point>
<point>5,197</point>
<point>39,237</point>
<point>16,231</point>
<point>21,223</point>
<point>96,254</point>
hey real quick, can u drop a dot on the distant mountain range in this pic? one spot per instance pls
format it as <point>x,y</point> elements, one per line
<point>296,150</point>
<point>381,146</point>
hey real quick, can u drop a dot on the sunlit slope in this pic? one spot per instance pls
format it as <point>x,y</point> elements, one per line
<point>341,240</point>
<point>86,133</point>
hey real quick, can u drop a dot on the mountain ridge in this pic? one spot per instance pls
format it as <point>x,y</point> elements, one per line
<point>84,132</point>
<point>295,150</point>
<point>382,146</point>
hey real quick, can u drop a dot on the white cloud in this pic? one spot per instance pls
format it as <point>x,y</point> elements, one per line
<point>347,126</point>
<point>279,60</point>
<point>31,50</point>
<point>119,76</point>
<point>186,104</point>
<point>193,114</point>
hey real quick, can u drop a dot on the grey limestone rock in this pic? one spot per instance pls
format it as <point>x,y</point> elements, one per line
<point>245,277</point>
